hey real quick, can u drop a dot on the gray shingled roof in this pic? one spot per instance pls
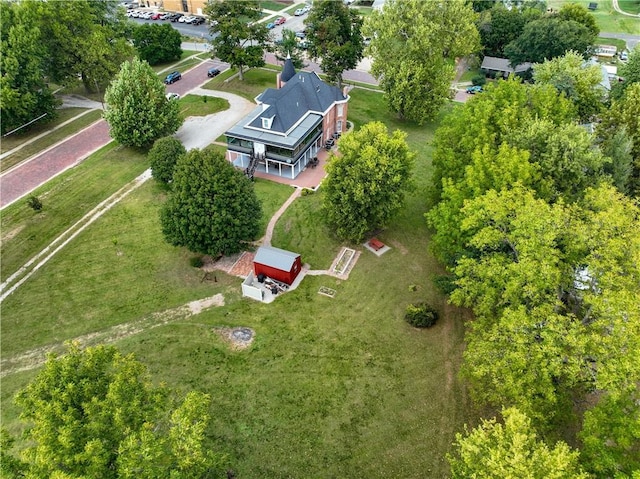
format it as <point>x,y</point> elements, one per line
<point>275,257</point>
<point>503,65</point>
<point>288,71</point>
<point>302,93</point>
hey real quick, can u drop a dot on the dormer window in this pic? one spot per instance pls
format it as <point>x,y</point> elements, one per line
<point>266,122</point>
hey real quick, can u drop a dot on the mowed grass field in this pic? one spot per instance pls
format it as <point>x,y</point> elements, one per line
<point>607,19</point>
<point>330,387</point>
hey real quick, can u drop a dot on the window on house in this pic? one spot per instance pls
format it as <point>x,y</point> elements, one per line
<point>340,110</point>
<point>185,6</point>
<point>266,123</point>
<point>339,126</point>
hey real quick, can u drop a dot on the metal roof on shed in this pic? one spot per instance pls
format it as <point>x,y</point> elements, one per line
<point>275,257</point>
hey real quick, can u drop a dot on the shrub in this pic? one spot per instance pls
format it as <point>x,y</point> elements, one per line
<point>478,80</point>
<point>196,261</point>
<point>163,157</point>
<point>34,202</point>
<point>421,315</point>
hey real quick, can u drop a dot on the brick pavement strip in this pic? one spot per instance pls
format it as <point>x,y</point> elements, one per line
<point>24,178</point>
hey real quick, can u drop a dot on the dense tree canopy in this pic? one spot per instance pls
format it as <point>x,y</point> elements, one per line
<point>578,81</point>
<point>476,151</point>
<point>95,413</point>
<point>138,111</point>
<point>624,116</point>
<point>499,26</point>
<point>413,45</point>
<point>366,183</point>
<point>24,93</point>
<point>629,71</point>
<point>239,39</point>
<point>333,33</point>
<point>81,38</point>
<point>511,451</point>
<point>164,156</point>
<point>578,13</point>
<point>548,38</point>
<point>157,43</point>
<point>213,208</point>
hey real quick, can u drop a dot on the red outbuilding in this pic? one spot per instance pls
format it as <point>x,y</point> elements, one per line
<point>276,263</point>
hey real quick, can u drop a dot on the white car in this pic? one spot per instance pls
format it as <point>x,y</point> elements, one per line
<point>299,11</point>
<point>145,15</point>
<point>306,8</point>
<point>173,96</point>
<point>186,19</point>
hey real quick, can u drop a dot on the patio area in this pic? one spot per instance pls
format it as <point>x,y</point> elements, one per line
<point>310,177</point>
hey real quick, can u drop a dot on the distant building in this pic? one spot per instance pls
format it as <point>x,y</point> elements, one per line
<point>195,7</point>
<point>607,51</point>
<point>495,66</point>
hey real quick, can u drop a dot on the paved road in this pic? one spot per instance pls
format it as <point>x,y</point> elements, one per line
<point>27,176</point>
<point>632,40</point>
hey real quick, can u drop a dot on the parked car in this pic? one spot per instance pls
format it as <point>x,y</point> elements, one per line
<point>271,25</point>
<point>197,21</point>
<point>306,8</point>
<point>175,17</point>
<point>472,90</point>
<point>303,44</point>
<point>145,15</point>
<point>299,11</point>
<point>173,96</point>
<point>156,16</point>
<point>624,56</point>
<point>280,20</point>
<point>185,19</point>
<point>172,77</point>
<point>213,72</point>
<point>165,16</point>
<point>300,34</point>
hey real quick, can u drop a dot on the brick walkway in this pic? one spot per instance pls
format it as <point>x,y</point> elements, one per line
<point>27,176</point>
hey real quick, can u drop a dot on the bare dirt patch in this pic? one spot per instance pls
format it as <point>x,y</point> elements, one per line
<point>400,247</point>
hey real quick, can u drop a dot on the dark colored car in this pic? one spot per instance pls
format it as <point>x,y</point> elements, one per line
<point>175,17</point>
<point>213,72</point>
<point>197,21</point>
<point>172,77</point>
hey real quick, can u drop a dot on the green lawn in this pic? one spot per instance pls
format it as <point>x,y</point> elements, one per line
<point>255,81</point>
<point>66,198</point>
<point>274,6</point>
<point>22,136</point>
<point>52,138</point>
<point>606,17</point>
<point>620,44</point>
<point>194,105</point>
<point>338,387</point>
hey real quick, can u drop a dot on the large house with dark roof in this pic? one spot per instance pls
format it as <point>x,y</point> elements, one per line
<point>289,125</point>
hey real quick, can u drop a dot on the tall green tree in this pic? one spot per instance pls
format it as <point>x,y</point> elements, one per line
<point>238,38</point>
<point>579,14</point>
<point>290,48</point>
<point>578,81</point>
<point>24,92</point>
<point>624,115</point>
<point>138,111</point>
<point>472,150</point>
<point>88,410</point>
<point>82,39</point>
<point>548,38</point>
<point>511,451</point>
<point>157,43</point>
<point>333,33</point>
<point>499,26</point>
<point>413,45</point>
<point>629,71</point>
<point>367,182</point>
<point>213,208</point>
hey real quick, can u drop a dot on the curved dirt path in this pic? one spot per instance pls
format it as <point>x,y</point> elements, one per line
<point>617,8</point>
<point>36,357</point>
